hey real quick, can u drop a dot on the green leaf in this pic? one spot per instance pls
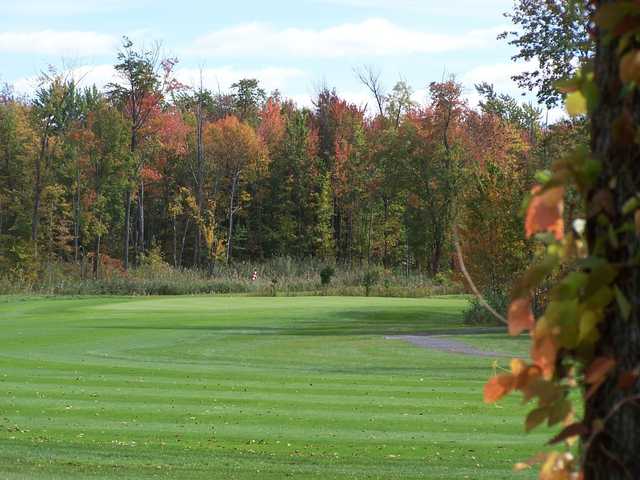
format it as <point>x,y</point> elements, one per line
<point>576,104</point>
<point>543,176</point>
<point>535,418</point>
<point>630,205</point>
<point>623,304</point>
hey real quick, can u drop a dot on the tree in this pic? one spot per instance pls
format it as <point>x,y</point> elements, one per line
<point>55,106</point>
<point>248,99</point>
<point>613,454</point>
<point>236,152</point>
<point>554,34</point>
<point>138,96</point>
<point>589,335</point>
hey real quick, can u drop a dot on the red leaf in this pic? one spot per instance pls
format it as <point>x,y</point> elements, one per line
<point>543,353</point>
<point>520,316</point>
<point>497,387</point>
<point>598,369</point>
<point>597,372</point>
<point>628,379</point>
<point>545,212</point>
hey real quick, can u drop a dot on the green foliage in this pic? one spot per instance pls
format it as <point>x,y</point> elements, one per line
<point>555,34</point>
<point>477,313</point>
<point>370,278</point>
<point>326,274</point>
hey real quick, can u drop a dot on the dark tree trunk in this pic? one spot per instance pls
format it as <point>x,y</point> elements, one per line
<point>127,229</point>
<point>37,189</point>
<point>140,248</point>
<point>615,453</point>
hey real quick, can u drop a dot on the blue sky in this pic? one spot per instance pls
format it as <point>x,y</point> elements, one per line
<point>294,46</point>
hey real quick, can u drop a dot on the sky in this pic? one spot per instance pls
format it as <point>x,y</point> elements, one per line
<point>296,46</point>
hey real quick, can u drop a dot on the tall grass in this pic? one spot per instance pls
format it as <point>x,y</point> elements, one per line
<point>278,276</point>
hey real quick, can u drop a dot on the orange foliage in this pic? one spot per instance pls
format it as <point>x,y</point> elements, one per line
<point>545,212</point>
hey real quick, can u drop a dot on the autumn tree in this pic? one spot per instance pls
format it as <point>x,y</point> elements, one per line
<point>588,338</point>
<point>137,94</point>
<point>237,154</point>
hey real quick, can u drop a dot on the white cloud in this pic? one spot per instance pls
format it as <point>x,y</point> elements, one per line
<point>372,37</point>
<point>52,42</point>
<point>500,76</point>
<point>270,77</point>
<point>213,78</point>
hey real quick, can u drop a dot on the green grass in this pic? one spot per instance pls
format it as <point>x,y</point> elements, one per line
<point>246,388</point>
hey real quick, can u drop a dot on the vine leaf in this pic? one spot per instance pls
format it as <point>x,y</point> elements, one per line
<point>597,372</point>
<point>544,354</point>
<point>570,431</point>
<point>520,316</point>
<point>623,304</point>
<point>545,212</point>
<point>628,379</point>
<point>536,417</point>
<point>630,67</point>
<point>497,387</point>
<point>576,104</point>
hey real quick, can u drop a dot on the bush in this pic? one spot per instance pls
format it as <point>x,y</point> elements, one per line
<point>326,274</point>
<point>477,314</point>
<point>369,279</point>
<point>155,277</point>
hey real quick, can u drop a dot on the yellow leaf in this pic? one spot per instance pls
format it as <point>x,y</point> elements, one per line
<point>588,322</point>
<point>576,104</point>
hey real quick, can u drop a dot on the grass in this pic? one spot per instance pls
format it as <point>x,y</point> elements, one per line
<point>239,388</point>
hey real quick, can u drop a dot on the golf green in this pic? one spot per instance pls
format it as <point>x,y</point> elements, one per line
<point>245,387</point>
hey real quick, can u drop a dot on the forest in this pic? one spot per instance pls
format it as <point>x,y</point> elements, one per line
<point>199,282</point>
<point>100,181</point>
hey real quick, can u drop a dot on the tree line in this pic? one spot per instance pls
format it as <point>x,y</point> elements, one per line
<point>103,176</point>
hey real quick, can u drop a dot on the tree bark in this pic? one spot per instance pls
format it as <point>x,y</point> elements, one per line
<point>37,189</point>
<point>127,228</point>
<point>614,454</point>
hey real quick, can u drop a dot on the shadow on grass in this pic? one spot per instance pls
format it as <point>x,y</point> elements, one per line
<point>332,324</point>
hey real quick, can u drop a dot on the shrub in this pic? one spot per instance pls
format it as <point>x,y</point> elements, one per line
<point>326,274</point>
<point>369,279</point>
<point>477,314</point>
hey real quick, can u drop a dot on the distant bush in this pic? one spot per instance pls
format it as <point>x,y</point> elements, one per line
<point>326,274</point>
<point>369,279</point>
<point>477,314</point>
<point>278,276</point>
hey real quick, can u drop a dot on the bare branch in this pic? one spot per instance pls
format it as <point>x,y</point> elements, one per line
<point>475,290</point>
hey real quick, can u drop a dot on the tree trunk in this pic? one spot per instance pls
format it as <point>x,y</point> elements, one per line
<point>199,178</point>
<point>37,189</point>
<point>615,453</point>
<point>140,248</point>
<point>127,229</point>
<point>232,207</point>
<point>76,223</point>
<point>96,260</point>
